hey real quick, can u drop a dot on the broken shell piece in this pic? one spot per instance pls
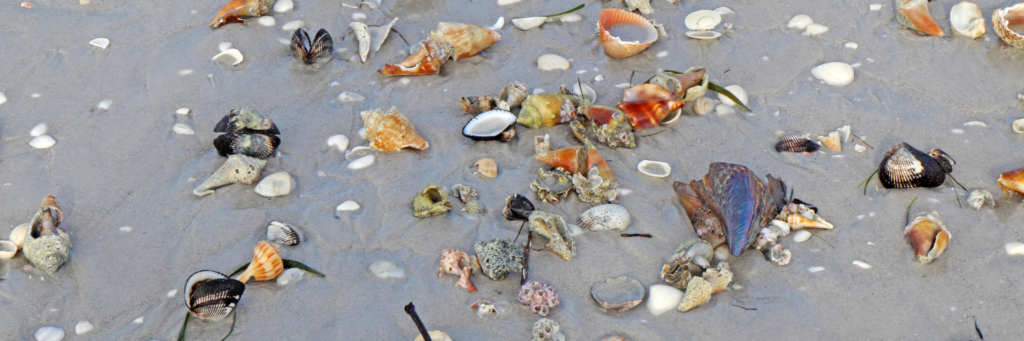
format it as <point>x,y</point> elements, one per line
<point>491,125</point>
<point>1015,249</point>
<point>101,43</point>
<point>386,269</point>
<point>432,201</point>
<point>1002,19</point>
<point>486,167</point>
<point>552,62</point>
<point>914,14</point>
<point>719,277</point>
<point>663,298</point>
<point>391,131</point>
<point>488,309</point>
<point>832,142</point>
<point>378,34</point>
<point>834,73</point>
<point>617,25</point>
<point>498,257</point>
<point>363,36</point>
<point>232,56</point>
<point>656,169</point>
<point>703,20</point>
<point>457,263</point>
<point>338,141</point>
<point>362,162</point>
<point>1018,126</point>
<point>42,142</point>
<point>529,22</point>
<point>449,40</point>
<point>283,6</point>
<point>698,292</point>
<point>622,293</point>
<point>796,143</point>
<point>587,93</point>
<point>644,6</point>
<point>469,197</point>
<point>275,185</point>
<point>1012,182</point>
<point>498,25</point>
<point>7,249</point>
<point>605,217</point>
<point>979,197</point>
<point>237,169</point>
<point>928,237</point>
<point>844,131</point>
<point>347,206</point>
<point>966,20</point>
<point>801,236</point>
<point>266,263</point>
<point>19,233</point>
<point>283,233</point>
<point>800,22</point>
<point>552,227</point>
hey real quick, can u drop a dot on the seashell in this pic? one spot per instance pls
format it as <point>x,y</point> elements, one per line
<point>232,56</point>
<point>529,22</point>
<point>486,308</point>
<point>244,120</point>
<point>586,93</point>
<point>338,141</point>
<point>1002,19</point>
<point>914,14</point>
<point>49,333</point>
<point>283,233</point>
<point>8,249</point>
<point>834,73</point>
<point>486,167</point>
<point>663,298</point>
<point>703,35</point>
<point>966,20</point>
<point>238,10</point>
<point>605,218</point>
<point>1008,181</point>
<point>457,263</point>
<point>571,17</point>
<point>211,296</point>
<point>435,335</point>
<point>541,297</point>
<point>644,6</point>
<point>362,162</point>
<point>796,143</point>
<point>386,269</point>
<point>1014,249</point>
<point>38,130</point>
<point>1018,126</point>
<point>724,109</point>
<point>979,197</point>
<point>379,34</point>
<point>266,263</point>
<point>656,169</point>
<point>478,104</point>
<point>46,246</point>
<point>737,91</point>
<point>552,227</point>
<point>648,113</point>
<point>431,201</point>
<point>362,33</point>
<point>19,233</point>
<point>83,327</point>
<point>845,132</point>
<point>450,40</point>
<point>622,293</point>
<point>42,142</point>
<point>719,277</point>
<point>468,196</point>
<point>832,142</point>
<point>491,125</point>
<point>698,292</point>
<point>391,131</point>
<point>552,62</point>
<point>283,6</point>
<point>347,206</point>
<point>604,124</point>
<point>801,236</point>
<point>547,330</point>
<point>800,22</point>
<point>498,25</point>
<point>291,26</point>
<point>259,146</point>
<point>624,34</point>
<point>517,207</point>
<point>498,257</point>
<point>426,59</point>
<point>288,276</point>
<point>551,185</point>
<point>267,21</point>
<point>815,29</point>
<point>547,110</point>
<point>704,106</point>
<point>275,185</point>
<point>514,94</point>
<point>182,129</point>
<point>903,166</point>
<point>928,237</point>
<point>703,20</point>
<point>317,52</point>
<point>801,216</point>
<point>649,91</point>
<point>598,186</point>
<point>101,43</point>
<point>694,251</point>
<point>104,104</point>
<point>237,169</point>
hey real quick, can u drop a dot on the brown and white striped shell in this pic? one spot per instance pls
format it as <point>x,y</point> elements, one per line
<point>903,166</point>
<point>211,295</point>
<point>796,143</point>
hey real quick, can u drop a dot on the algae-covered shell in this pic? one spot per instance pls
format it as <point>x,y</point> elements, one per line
<point>431,201</point>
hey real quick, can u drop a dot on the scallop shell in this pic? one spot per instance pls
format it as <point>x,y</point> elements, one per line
<point>796,143</point>
<point>49,333</point>
<point>266,263</point>
<point>237,169</point>
<point>656,169</point>
<point>605,218</point>
<point>966,20</point>
<point>391,131</point>
<point>211,295</point>
<point>914,14</point>
<point>615,47</point>
<point>928,236</point>
<point>1001,24</point>
<point>283,233</point>
<point>703,20</point>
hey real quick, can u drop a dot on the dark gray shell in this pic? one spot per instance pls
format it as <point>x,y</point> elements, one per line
<point>796,143</point>
<point>316,52</point>
<point>903,166</point>
<point>244,120</point>
<point>517,207</point>
<point>211,296</point>
<point>498,257</point>
<point>259,146</point>
<point>283,233</point>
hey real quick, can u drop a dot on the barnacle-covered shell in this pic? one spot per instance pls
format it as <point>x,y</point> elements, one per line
<point>796,143</point>
<point>698,292</point>
<point>547,110</point>
<point>801,216</point>
<point>431,201</point>
<point>245,120</point>
<point>47,246</point>
<point>571,159</point>
<point>237,169</point>
<point>211,295</point>
<point>598,186</point>
<point>552,227</point>
<point>622,293</point>
<point>603,124</point>
<point>259,146</point>
<point>1001,21</point>
<point>478,104</point>
<point>498,257</point>
<point>610,21</point>
<point>391,131</point>
<point>928,237</point>
<point>541,297</point>
<point>468,196</point>
<point>266,263</point>
<point>914,14</point>
<point>604,218</point>
<point>547,330</point>
<point>283,233</point>
<point>694,251</point>
<point>552,185</point>
<point>903,166</point>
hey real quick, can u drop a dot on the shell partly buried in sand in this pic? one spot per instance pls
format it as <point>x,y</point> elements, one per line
<point>266,263</point>
<point>391,131</point>
<point>615,24</point>
<point>605,217</point>
<point>211,296</point>
<point>237,169</point>
<point>1002,19</point>
<point>275,185</point>
<point>928,237</point>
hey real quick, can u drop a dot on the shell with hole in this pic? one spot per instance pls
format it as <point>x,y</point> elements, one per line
<point>46,245</point>
<point>391,131</point>
<point>1002,19</point>
<point>928,237</point>
<point>431,201</point>
<point>914,14</point>
<point>623,33</point>
<point>656,169</point>
<point>237,169</point>
<point>211,296</point>
<point>903,166</point>
<point>238,10</point>
<point>245,121</point>
<point>966,20</point>
<point>266,263</point>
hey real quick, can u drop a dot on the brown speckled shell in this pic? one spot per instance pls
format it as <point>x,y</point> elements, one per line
<point>1001,24</point>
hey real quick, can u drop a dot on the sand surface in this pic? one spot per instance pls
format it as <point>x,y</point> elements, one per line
<point>124,167</point>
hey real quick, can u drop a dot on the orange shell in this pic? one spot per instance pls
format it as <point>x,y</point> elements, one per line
<point>928,237</point>
<point>266,263</point>
<point>572,159</point>
<point>648,113</point>
<point>391,131</point>
<point>595,160</point>
<point>613,46</point>
<point>466,40</point>
<point>920,19</point>
<point>426,61</point>
<point>235,10</point>
<point>1012,181</point>
<point>641,92</point>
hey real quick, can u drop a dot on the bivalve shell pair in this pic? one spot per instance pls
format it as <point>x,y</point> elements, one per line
<point>211,296</point>
<point>625,34</point>
<point>491,125</point>
<point>1002,19</point>
<point>928,236</point>
<point>701,23</point>
<point>903,166</point>
<point>967,20</point>
<point>316,52</point>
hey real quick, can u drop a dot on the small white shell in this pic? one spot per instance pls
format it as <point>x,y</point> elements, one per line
<point>801,236</point>
<point>283,6</point>
<point>703,20</point>
<point>605,218</point>
<point>232,56</point>
<point>967,20</point>
<point>18,235</point>
<point>815,269</point>
<point>42,142</point>
<point>704,106</point>
<point>101,43</point>
<point>386,269</point>
<point>737,91</point>
<point>1018,126</point>
<point>275,185</point>
<point>656,169</point>
<point>815,29</point>
<point>267,21</point>
<point>49,333</point>
<point>182,129</point>
<point>362,162</point>
<point>3,99</point>
<point>39,129</point>
<point>800,22</point>
<point>571,17</point>
<point>363,36</point>
<point>83,327</point>
<point>291,26</point>
<point>845,132</point>
<point>338,141</point>
<point>8,249</point>
<point>662,299</point>
<point>875,7</point>
<point>529,23</point>
<point>1015,249</point>
<point>347,206</point>
<point>552,62</point>
<point>507,2</point>
<point>979,197</point>
<point>706,35</point>
<point>350,97</point>
<point>357,152</point>
<point>289,275</point>
<point>834,73</point>
<point>104,104</point>
<point>224,46</point>
<point>587,93</point>
<point>362,133</point>
<point>183,111</point>
<point>862,265</point>
<point>724,11</point>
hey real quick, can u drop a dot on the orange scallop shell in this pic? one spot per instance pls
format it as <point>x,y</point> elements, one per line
<point>266,263</point>
<point>466,40</point>
<point>391,131</point>
<point>613,46</point>
<point>648,113</point>
<point>1012,181</point>
<point>647,91</point>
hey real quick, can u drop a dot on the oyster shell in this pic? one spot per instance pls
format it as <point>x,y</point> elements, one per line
<point>552,185</point>
<point>622,293</point>
<point>469,197</point>
<point>498,257</point>
<point>431,201</point>
<point>391,131</point>
<point>552,227</point>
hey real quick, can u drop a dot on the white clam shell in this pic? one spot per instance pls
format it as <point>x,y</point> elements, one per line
<point>737,91</point>
<point>1015,249</point>
<point>183,111</point>
<point>703,20</point>
<point>104,104</point>
<point>605,217</point>
<point>49,333</point>
<point>289,275</point>
<point>386,269</point>
<point>283,6</point>
<point>291,26</point>
<point>967,20</point>
<point>815,269</point>
<point>18,235</point>
<point>662,299</point>
<point>39,129</point>
<point>8,249</point>
<point>101,43</point>
<point>552,62</point>
<point>862,265</point>
<point>571,17</point>
<point>275,185</point>
<point>528,23</point>
<point>801,236</point>
<point>656,169</point>
<point>338,141</point>
<point>347,206</point>
<point>350,97</point>
<point>182,129</point>
<point>834,73</point>
<point>706,35</point>
<point>42,142</point>
<point>224,46</point>
<point>267,21</point>
<point>724,109</point>
<point>1018,126</point>
<point>362,162</point>
<point>815,29</point>
<point>800,22</point>
<point>83,327</point>
<point>232,56</point>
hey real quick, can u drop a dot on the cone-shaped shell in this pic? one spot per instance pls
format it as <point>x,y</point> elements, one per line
<point>1012,181</point>
<point>612,20</point>
<point>238,168</point>
<point>595,161</point>
<point>244,120</point>
<point>903,166</point>
<point>211,295</point>
<point>1002,19</point>
<point>391,131</point>
<point>914,14</point>
<point>259,146</point>
<point>266,263</point>
<point>427,60</point>
<point>571,159</point>
<point>237,10</point>
<point>648,113</point>
<point>466,40</point>
<point>928,236</point>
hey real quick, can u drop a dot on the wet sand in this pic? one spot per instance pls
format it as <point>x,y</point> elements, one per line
<point>124,167</point>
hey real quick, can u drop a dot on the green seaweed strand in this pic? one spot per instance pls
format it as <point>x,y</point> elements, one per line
<point>908,210</point>
<point>181,334</point>
<point>574,9</point>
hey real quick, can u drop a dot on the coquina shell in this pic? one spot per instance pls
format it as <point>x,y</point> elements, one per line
<point>605,217</point>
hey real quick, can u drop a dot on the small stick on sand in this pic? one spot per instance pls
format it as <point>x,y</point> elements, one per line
<point>411,310</point>
<point>645,235</point>
<point>862,140</point>
<point>526,257</point>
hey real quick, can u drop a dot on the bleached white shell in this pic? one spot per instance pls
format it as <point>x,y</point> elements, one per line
<point>224,46</point>
<point>528,23</point>
<point>552,62</point>
<point>275,185</point>
<point>656,169</point>
<point>18,235</point>
<point>498,25</point>
<point>363,36</point>
<point>291,26</point>
<point>338,141</point>
<point>350,97</point>
<point>49,333</point>
<point>706,35</point>
<point>283,6</point>
<point>845,132</point>
<point>362,162</point>
<point>724,11</point>
<point>42,142</point>
<point>801,236</point>
<point>737,91</point>
<point>8,249</point>
<point>39,129</point>
<point>815,269</point>
<point>862,265</point>
<point>183,111</point>
<point>815,29</point>
<point>1015,249</point>
<point>385,269</point>
<point>83,327</point>
<point>1018,126</point>
<point>834,73</point>
<point>288,276</point>
<point>703,20</point>
<point>967,20</point>
<point>104,104</point>
<point>587,93</point>
<point>232,56</point>
<point>800,22</point>
<point>3,99</point>
<point>347,206</point>
<point>704,106</point>
<point>267,21</point>
<point>182,129</point>
<point>605,217</point>
<point>100,42</point>
<point>571,17</point>
<point>507,2</point>
<point>662,299</point>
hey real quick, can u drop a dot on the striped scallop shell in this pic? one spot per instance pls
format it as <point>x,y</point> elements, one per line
<point>796,143</point>
<point>903,166</point>
<point>211,296</point>
<point>283,233</point>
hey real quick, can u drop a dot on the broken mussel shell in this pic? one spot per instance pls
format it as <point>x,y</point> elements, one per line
<point>391,131</point>
<point>903,166</point>
<point>283,233</point>
<point>46,245</point>
<point>1003,19</point>
<point>914,14</point>
<point>316,52</point>
<point>498,257</point>
<point>491,125</point>
<point>238,10</point>
<point>237,169</point>
<point>517,207</point>
<point>245,121</point>
<point>259,146</point>
<point>431,201</point>
<point>623,33</point>
<point>211,296</point>
<point>796,143</point>
<point>928,236</point>
<point>621,293</point>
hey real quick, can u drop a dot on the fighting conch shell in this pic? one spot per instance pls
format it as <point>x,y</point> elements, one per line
<point>238,9</point>
<point>238,168</point>
<point>391,131</point>
<point>266,263</point>
<point>449,40</point>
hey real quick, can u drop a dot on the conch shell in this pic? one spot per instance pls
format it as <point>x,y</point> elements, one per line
<point>914,14</point>
<point>928,236</point>
<point>266,263</point>
<point>46,245</point>
<point>547,110</point>
<point>237,169</point>
<point>236,10</point>
<point>648,113</point>
<point>391,131</point>
<point>449,40</point>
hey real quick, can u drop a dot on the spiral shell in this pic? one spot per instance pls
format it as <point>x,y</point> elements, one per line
<point>704,106</point>
<point>237,169</point>
<point>391,131</point>
<point>1001,24</point>
<point>266,263</point>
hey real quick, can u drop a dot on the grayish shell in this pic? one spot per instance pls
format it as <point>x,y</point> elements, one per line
<point>498,257</point>
<point>547,330</point>
<point>979,197</point>
<point>695,251</point>
<point>48,252</point>
<point>238,168</point>
<point>283,233</point>
<point>604,218</point>
<point>622,293</point>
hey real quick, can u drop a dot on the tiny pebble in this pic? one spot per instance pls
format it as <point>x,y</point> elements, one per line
<point>185,72</point>
<point>872,214</point>
<point>405,81</point>
<point>851,45</point>
<point>815,269</point>
<point>105,104</point>
<point>183,129</point>
<point>957,131</point>
<point>183,111</point>
<point>338,141</point>
<point>801,236</point>
<point>83,327</point>
<point>870,243</point>
<point>875,7</point>
<point>975,124</point>
<point>580,72</point>
<point>737,287</point>
<point>662,54</point>
<point>598,78</point>
<point>283,6</point>
<point>39,129</point>
<point>172,293</point>
<point>859,148</point>
<point>1015,249</point>
<point>347,206</point>
<point>126,229</point>
<point>267,21</point>
<point>862,265</point>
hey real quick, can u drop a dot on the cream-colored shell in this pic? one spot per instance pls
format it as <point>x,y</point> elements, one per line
<point>18,234</point>
<point>1002,26</point>
<point>1018,126</point>
<point>703,20</point>
<point>238,168</point>
<point>7,249</point>
<point>363,36</point>
<point>967,20</point>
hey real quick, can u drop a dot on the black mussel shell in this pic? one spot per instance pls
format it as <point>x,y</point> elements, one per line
<point>517,207</point>
<point>903,166</point>
<point>796,143</point>
<point>317,52</point>
<point>211,295</point>
<point>491,125</point>
<point>259,146</point>
<point>243,120</point>
<point>809,205</point>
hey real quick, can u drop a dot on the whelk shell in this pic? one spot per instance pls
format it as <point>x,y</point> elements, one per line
<point>616,20</point>
<point>966,20</point>
<point>211,295</point>
<point>914,14</point>
<point>928,236</point>
<point>237,10</point>
<point>391,131</point>
<point>1002,19</point>
<point>266,263</point>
